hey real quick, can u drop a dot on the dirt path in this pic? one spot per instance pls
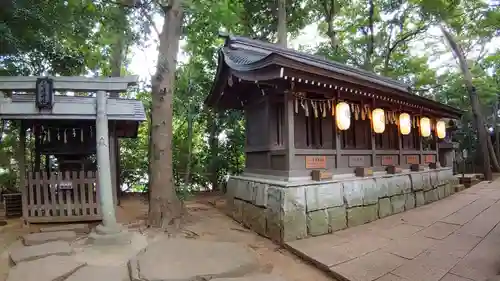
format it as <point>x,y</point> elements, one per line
<point>208,222</point>
<point>8,235</point>
<point>205,221</point>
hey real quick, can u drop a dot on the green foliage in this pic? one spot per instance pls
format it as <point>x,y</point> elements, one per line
<point>75,37</point>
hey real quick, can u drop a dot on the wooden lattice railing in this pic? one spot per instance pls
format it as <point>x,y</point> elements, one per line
<point>61,197</point>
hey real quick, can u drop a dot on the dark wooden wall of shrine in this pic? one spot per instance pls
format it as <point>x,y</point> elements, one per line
<point>317,136</point>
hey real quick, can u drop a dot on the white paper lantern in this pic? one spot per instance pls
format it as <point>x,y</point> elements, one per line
<point>441,129</point>
<point>378,120</point>
<point>404,123</point>
<point>343,116</point>
<point>425,127</point>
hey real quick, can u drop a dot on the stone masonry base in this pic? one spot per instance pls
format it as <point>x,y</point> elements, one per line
<point>287,211</point>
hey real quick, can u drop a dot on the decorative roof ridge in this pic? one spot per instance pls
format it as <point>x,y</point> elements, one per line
<point>253,44</point>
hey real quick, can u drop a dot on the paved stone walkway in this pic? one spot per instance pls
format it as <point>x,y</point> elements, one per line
<point>55,254</point>
<point>454,239</point>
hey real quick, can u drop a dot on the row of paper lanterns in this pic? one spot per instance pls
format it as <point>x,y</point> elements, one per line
<point>343,120</point>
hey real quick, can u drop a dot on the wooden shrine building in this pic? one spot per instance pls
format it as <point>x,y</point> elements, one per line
<point>329,144</point>
<point>57,141</point>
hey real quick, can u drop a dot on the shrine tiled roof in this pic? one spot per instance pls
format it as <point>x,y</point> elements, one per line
<point>243,53</point>
<point>257,61</point>
<point>22,106</point>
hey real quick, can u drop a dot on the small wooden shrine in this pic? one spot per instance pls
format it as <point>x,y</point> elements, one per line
<point>57,141</point>
<point>305,113</point>
<point>328,146</point>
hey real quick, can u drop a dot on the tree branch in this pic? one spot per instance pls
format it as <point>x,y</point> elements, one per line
<point>402,39</point>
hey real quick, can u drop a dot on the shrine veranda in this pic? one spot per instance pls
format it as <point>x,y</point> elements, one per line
<point>328,146</point>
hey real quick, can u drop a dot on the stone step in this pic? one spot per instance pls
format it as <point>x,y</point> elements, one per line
<point>458,187</point>
<point>100,273</point>
<point>51,268</point>
<point>79,228</point>
<point>29,253</point>
<point>173,259</point>
<point>44,237</point>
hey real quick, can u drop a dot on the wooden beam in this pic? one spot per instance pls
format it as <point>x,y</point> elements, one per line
<point>372,136</point>
<point>289,130</point>
<point>69,83</point>
<point>21,158</point>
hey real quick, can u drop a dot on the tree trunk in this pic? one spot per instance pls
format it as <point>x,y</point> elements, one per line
<point>190,120</point>
<point>497,131</point>
<point>494,161</point>
<point>165,208</point>
<point>370,37</point>
<point>329,12</point>
<point>282,30</point>
<point>474,100</point>
<point>116,61</point>
<point>214,149</point>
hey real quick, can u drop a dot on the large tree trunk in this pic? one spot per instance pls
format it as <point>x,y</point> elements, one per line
<point>117,56</point>
<point>165,208</point>
<point>282,29</point>
<point>474,100</point>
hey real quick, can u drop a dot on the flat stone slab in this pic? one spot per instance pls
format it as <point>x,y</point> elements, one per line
<point>171,259</point>
<point>97,273</point>
<point>44,237</point>
<point>52,268</point>
<point>29,253</point>
<point>259,277</point>
<point>80,228</point>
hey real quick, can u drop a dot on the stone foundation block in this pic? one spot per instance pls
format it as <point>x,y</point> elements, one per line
<point>337,219</point>
<point>384,207</point>
<point>254,218</point>
<point>447,190</point>
<point>398,203</point>
<point>294,213</point>
<point>317,222</point>
<point>289,211</point>
<point>324,196</point>
<point>361,215</point>
<point>261,194</point>
<point>274,225</point>
<point>245,191</point>
<point>294,225</point>
<point>353,193</point>
<point>293,198</point>
<point>410,201</point>
<point>382,185</point>
<point>370,192</point>
<point>441,191</point>
<point>430,196</point>
<point>237,211</point>
<point>434,178</point>
<point>419,198</point>
<point>426,178</point>
<point>398,185</point>
<point>420,181</point>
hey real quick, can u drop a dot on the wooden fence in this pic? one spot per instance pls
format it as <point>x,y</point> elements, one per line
<point>61,197</point>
